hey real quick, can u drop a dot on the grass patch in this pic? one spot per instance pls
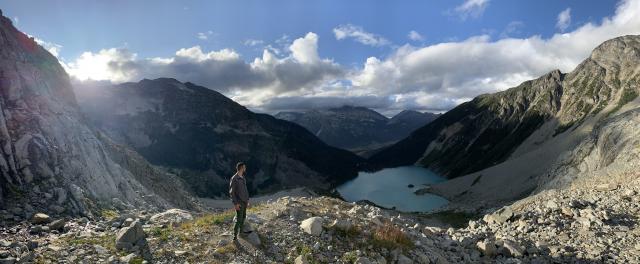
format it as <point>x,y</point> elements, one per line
<point>136,260</point>
<point>109,214</point>
<point>208,220</point>
<point>350,257</point>
<point>229,248</point>
<point>107,241</point>
<point>163,233</point>
<point>390,237</point>
<point>455,219</point>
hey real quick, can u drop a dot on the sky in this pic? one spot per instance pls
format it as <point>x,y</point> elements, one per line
<point>298,55</point>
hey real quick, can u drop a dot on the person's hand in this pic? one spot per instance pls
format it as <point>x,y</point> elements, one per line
<point>237,207</point>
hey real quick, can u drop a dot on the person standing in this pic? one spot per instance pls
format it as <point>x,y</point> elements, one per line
<point>239,197</point>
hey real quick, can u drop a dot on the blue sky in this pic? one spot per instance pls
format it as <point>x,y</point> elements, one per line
<point>346,35</point>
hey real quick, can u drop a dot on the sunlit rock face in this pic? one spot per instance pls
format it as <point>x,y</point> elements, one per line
<point>44,141</point>
<point>200,134</point>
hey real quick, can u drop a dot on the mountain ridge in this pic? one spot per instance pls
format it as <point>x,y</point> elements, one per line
<point>201,134</point>
<point>357,128</point>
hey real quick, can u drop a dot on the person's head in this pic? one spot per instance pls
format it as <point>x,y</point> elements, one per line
<point>241,168</point>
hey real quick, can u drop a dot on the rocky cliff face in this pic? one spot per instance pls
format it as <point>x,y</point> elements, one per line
<point>358,128</point>
<point>494,128</point>
<point>47,149</point>
<point>201,134</point>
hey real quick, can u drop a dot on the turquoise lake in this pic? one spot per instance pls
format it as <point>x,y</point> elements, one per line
<point>389,188</point>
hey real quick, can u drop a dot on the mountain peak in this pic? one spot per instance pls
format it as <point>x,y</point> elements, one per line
<point>622,50</point>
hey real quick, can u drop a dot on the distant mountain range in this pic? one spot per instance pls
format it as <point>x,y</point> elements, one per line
<point>358,128</point>
<point>200,134</point>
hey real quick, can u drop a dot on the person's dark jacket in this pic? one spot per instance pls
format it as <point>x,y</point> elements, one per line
<point>238,190</point>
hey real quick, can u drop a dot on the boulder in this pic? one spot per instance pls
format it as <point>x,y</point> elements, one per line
<point>40,218</point>
<point>343,224</point>
<point>57,224</point>
<point>312,226</point>
<point>171,216</point>
<point>130,236</point>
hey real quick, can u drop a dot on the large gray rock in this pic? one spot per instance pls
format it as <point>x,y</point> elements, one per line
<point>312,226</point>
<point>130,236</point>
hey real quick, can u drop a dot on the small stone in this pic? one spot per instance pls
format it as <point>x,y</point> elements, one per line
<point>100,249</point>
<point>487,248</point>
<point>301,260</point>
<point>128,258</point>
<point>513,248</point>
<point>402,259</point>
<point>40,218</point>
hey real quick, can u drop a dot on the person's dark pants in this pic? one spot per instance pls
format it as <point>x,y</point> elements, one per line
<point>240,216</point>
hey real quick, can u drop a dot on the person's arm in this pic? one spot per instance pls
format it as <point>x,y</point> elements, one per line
<point>233,192</point>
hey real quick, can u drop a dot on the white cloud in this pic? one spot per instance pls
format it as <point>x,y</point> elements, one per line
<point>53,48</point>
<point>223,70</point>
<point>305,50</point>
<point>415,36</point>
<point>204,35</point>
<point>107,64</point>
<point>434,77</point>
<point>564,20</point>
<point>471,8</point>
<point>253,42</point>
<point>454,71</point>
<point>359,35</point>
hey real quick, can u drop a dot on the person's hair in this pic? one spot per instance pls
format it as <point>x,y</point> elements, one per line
<point>239,165</point>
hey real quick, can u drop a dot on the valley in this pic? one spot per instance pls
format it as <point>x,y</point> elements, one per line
<point>138,171</point>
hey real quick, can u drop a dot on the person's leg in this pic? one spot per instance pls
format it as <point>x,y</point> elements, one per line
<point>237,227</point>
<point>243,209</point>
<point>240,216</point>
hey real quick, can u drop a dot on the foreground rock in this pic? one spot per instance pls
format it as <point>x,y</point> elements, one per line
<point>312,226</point>
<point>133,239</point>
